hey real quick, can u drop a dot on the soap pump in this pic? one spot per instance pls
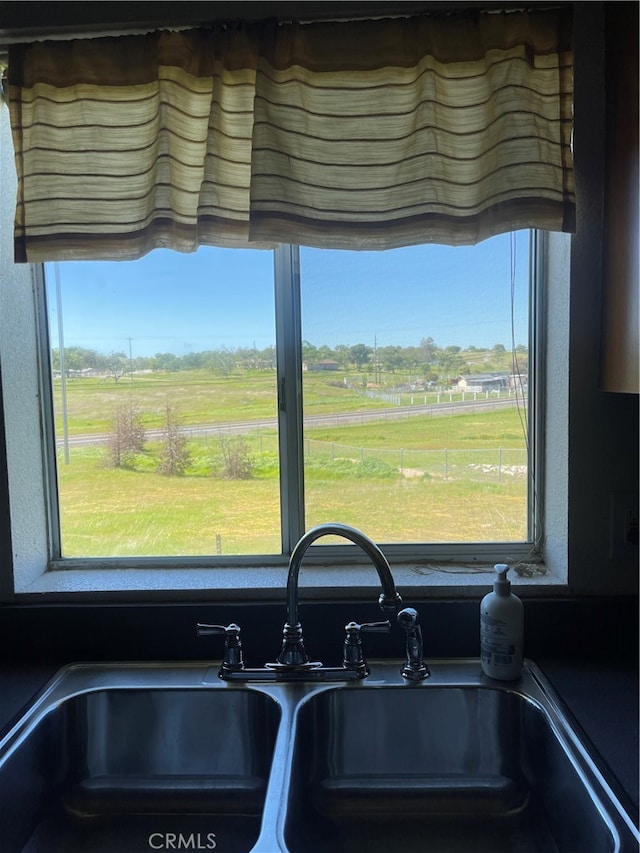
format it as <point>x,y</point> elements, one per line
<point>501,629</point>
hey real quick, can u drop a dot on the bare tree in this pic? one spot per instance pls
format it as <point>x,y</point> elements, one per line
<point>127,436</point>
<point>174,455</point>
<point>237,460</point>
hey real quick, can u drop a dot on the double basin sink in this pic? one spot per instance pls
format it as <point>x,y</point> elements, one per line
<point>140,757</point>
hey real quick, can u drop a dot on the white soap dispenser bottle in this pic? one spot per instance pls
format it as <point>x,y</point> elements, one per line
<point>502,630</point>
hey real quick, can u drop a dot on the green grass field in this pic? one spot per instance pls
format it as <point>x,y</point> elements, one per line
<point>204,397</point>
<point>455,478</point>
<point>128,513</point>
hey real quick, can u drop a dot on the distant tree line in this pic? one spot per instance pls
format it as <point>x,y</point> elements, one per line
<point>427,360</point>
<point>117,364</point>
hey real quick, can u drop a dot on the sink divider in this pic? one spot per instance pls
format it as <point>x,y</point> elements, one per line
<point>290,698</point>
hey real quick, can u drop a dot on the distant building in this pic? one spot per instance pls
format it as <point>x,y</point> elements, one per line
<point>86,372</point>
<point>479,382</point>
<point>519,381</point>
<point>325,364</point>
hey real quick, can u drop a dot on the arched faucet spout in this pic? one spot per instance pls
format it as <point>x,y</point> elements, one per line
<point>293,653</point>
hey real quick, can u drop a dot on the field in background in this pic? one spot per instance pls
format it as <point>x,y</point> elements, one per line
<point>451,478</point>
<point>204,397</point>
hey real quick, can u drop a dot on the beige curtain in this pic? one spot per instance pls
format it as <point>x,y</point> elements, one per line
<point>367,134</point>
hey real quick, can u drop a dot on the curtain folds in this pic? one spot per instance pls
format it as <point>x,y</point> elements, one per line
<point>361,134</point>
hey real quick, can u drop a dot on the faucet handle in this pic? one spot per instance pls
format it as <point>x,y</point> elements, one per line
<point>232,660</point>
<point>371,627</point>
<point>353,656</point>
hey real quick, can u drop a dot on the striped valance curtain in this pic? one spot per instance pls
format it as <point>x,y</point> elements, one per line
<point>361,135</point>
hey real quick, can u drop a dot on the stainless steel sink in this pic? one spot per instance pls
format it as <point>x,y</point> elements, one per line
<point>447,769</point>
<point>116,758</point>
<point>137,757</point>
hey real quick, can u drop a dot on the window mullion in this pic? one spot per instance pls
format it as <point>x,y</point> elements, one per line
<point>289,360</point>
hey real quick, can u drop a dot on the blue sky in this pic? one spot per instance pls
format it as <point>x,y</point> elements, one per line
<point>180,303</point>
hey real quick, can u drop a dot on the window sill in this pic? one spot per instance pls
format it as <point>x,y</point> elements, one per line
<point>318,582</point>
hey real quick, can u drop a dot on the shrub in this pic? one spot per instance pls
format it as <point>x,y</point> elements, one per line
<point>237,460</point>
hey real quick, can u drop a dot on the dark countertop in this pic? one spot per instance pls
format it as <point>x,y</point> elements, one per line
<point>603,701</point>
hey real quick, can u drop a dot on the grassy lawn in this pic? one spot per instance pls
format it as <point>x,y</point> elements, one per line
<point>129,513</point>
<point>500,428</point>
<point>414,510</point>
<point>421,479</point>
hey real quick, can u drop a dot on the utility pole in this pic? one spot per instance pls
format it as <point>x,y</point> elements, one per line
<point>376,369</point>
<point>130,361</point>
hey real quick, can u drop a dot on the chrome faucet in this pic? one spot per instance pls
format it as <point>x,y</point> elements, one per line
<point>293,663</point>
<point>293,654</point>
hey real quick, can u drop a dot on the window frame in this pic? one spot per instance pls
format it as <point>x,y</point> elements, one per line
<point>288,323</point>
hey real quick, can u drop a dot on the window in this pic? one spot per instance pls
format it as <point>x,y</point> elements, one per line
<point>181,426</point>
<point>416,391</point>
<point>590,439</point>
<point>165,401</point>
